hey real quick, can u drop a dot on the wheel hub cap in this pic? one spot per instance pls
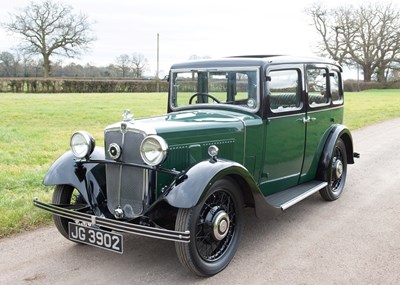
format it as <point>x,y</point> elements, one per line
<point>338,169</point>
<point>220,225</point>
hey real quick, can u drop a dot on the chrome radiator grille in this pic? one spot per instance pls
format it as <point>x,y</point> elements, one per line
<point>126,186</point>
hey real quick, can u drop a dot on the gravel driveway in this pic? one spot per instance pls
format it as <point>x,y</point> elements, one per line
<point>354,240</point>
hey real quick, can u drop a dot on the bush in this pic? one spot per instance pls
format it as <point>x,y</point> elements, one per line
<point>355,86</point>
<point>60,85</point>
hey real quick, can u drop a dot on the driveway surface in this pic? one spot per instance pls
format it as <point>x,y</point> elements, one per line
<point>354,240</point>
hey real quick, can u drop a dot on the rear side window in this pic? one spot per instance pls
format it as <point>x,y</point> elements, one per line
<point>317,79</point>
<point>284,90</point>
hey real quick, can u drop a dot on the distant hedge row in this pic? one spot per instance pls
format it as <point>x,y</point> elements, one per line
<point>355,86</point>
<point>61,85</point>
<point>67,85</point>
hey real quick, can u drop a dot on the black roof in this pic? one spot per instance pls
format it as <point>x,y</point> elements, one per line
<point>251,60</point>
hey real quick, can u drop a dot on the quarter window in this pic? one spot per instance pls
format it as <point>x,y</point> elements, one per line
<point>336,90</point>
<point>284,90</point>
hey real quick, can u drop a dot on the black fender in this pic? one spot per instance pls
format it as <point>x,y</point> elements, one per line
<point>87,178</point>
<point>190,187</point>
<point>336,132</point>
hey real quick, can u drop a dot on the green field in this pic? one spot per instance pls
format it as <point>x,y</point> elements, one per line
<point>35,130</point>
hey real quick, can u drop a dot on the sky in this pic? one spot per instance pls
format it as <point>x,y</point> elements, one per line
<point>206,28</point>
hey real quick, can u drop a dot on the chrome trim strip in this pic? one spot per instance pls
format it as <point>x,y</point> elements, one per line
<point>301,114</point>
<point>132,126</point>
<point>304,113</point>
<point>144,166</point>
<point>119,226</point>
<point>324,110</point>
<point>303,196</point>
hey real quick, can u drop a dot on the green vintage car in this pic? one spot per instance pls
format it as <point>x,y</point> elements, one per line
<point>253,131</point>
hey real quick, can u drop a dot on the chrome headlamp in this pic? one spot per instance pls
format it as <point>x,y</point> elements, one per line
<point>82,144</point>
<point>153,150</point>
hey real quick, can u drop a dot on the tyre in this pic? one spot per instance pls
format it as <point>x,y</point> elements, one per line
<point>216,225</point>
<point>336,173</point>
<point>65,195</point>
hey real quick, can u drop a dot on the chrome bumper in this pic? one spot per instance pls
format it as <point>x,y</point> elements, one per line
<point>119,226</point>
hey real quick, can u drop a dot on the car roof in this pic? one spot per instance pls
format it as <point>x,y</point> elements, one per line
<point>252,60</point>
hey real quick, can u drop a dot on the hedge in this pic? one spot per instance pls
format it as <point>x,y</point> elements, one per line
<point>61,85</point>
<point>355,86</point>
<point>67,85</point>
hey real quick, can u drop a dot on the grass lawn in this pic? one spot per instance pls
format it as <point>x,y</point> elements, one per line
<point>35,130</point>
<point>371,106</point>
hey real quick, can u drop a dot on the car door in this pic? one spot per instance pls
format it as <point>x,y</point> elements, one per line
<point>324,106</point>
<point>284,129</point>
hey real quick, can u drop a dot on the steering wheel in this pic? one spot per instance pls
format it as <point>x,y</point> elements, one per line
<point>203,94</point>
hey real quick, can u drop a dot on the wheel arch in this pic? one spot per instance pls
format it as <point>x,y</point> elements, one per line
<point>199,179</point>
<point>86,179</point>
<point>336,132</point>
<point>348,142</point>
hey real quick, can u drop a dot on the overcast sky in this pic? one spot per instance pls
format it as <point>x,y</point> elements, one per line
<point>214,28</point>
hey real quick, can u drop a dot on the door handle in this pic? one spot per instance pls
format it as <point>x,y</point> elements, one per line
<point>307,119</point>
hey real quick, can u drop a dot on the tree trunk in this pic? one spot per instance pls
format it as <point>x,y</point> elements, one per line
<point>381,76</point>
<point>367,73</point>
<point>46,66</point>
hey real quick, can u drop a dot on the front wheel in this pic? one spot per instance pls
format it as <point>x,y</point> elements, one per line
<point>336,173</point>
<point>66,196</point>
<point>216,225</point>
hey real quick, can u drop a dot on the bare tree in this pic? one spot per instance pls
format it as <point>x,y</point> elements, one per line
<point>367,36</point>
<point>123,63</point>
<point>49,28</point>
<point>8,64</point>
<point>139,64</point>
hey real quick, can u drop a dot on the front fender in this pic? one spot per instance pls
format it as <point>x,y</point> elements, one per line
<point>187,190</point>
<point>88,179</point>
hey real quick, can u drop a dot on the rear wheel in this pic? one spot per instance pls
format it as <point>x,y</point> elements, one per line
<point>216,225</point>
<point>336,173</point>
<point>65,195</point>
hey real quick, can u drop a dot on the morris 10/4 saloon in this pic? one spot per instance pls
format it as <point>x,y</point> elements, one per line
<point>254,131</point>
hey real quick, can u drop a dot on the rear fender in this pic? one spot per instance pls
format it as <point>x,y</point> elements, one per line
<point>337,131</point>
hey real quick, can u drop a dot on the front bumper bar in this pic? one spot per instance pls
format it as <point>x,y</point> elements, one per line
<point>119,226</point>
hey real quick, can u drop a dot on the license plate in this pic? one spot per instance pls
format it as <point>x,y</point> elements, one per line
<point>96,237</point>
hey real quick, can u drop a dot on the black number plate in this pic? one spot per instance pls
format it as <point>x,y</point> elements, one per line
<point>96,237</point>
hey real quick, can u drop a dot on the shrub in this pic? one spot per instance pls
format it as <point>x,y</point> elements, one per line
<point>67,85</point>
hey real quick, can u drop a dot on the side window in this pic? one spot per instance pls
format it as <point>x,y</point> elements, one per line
<point>284,90</point>
<point>336,88</point>
<point>317,86</point>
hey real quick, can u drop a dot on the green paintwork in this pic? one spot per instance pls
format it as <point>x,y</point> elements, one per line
<point>317,132</point>
<point>280,150</point>
<point>190,133</point>
<point>284,147</point>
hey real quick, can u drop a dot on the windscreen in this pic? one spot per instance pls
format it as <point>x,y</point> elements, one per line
<point>235,87</point>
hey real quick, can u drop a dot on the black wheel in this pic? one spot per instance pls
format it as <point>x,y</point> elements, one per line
<point>216,225</point>
<point>203,95</point>
<point>336,173</point>
<point>65,195</point>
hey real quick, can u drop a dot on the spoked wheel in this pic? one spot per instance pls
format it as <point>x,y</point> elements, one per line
<point>65,195</point>
<point>216,225</point>
<point>336,173</point>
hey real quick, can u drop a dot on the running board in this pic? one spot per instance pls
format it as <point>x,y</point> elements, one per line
<point>291,196</point>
